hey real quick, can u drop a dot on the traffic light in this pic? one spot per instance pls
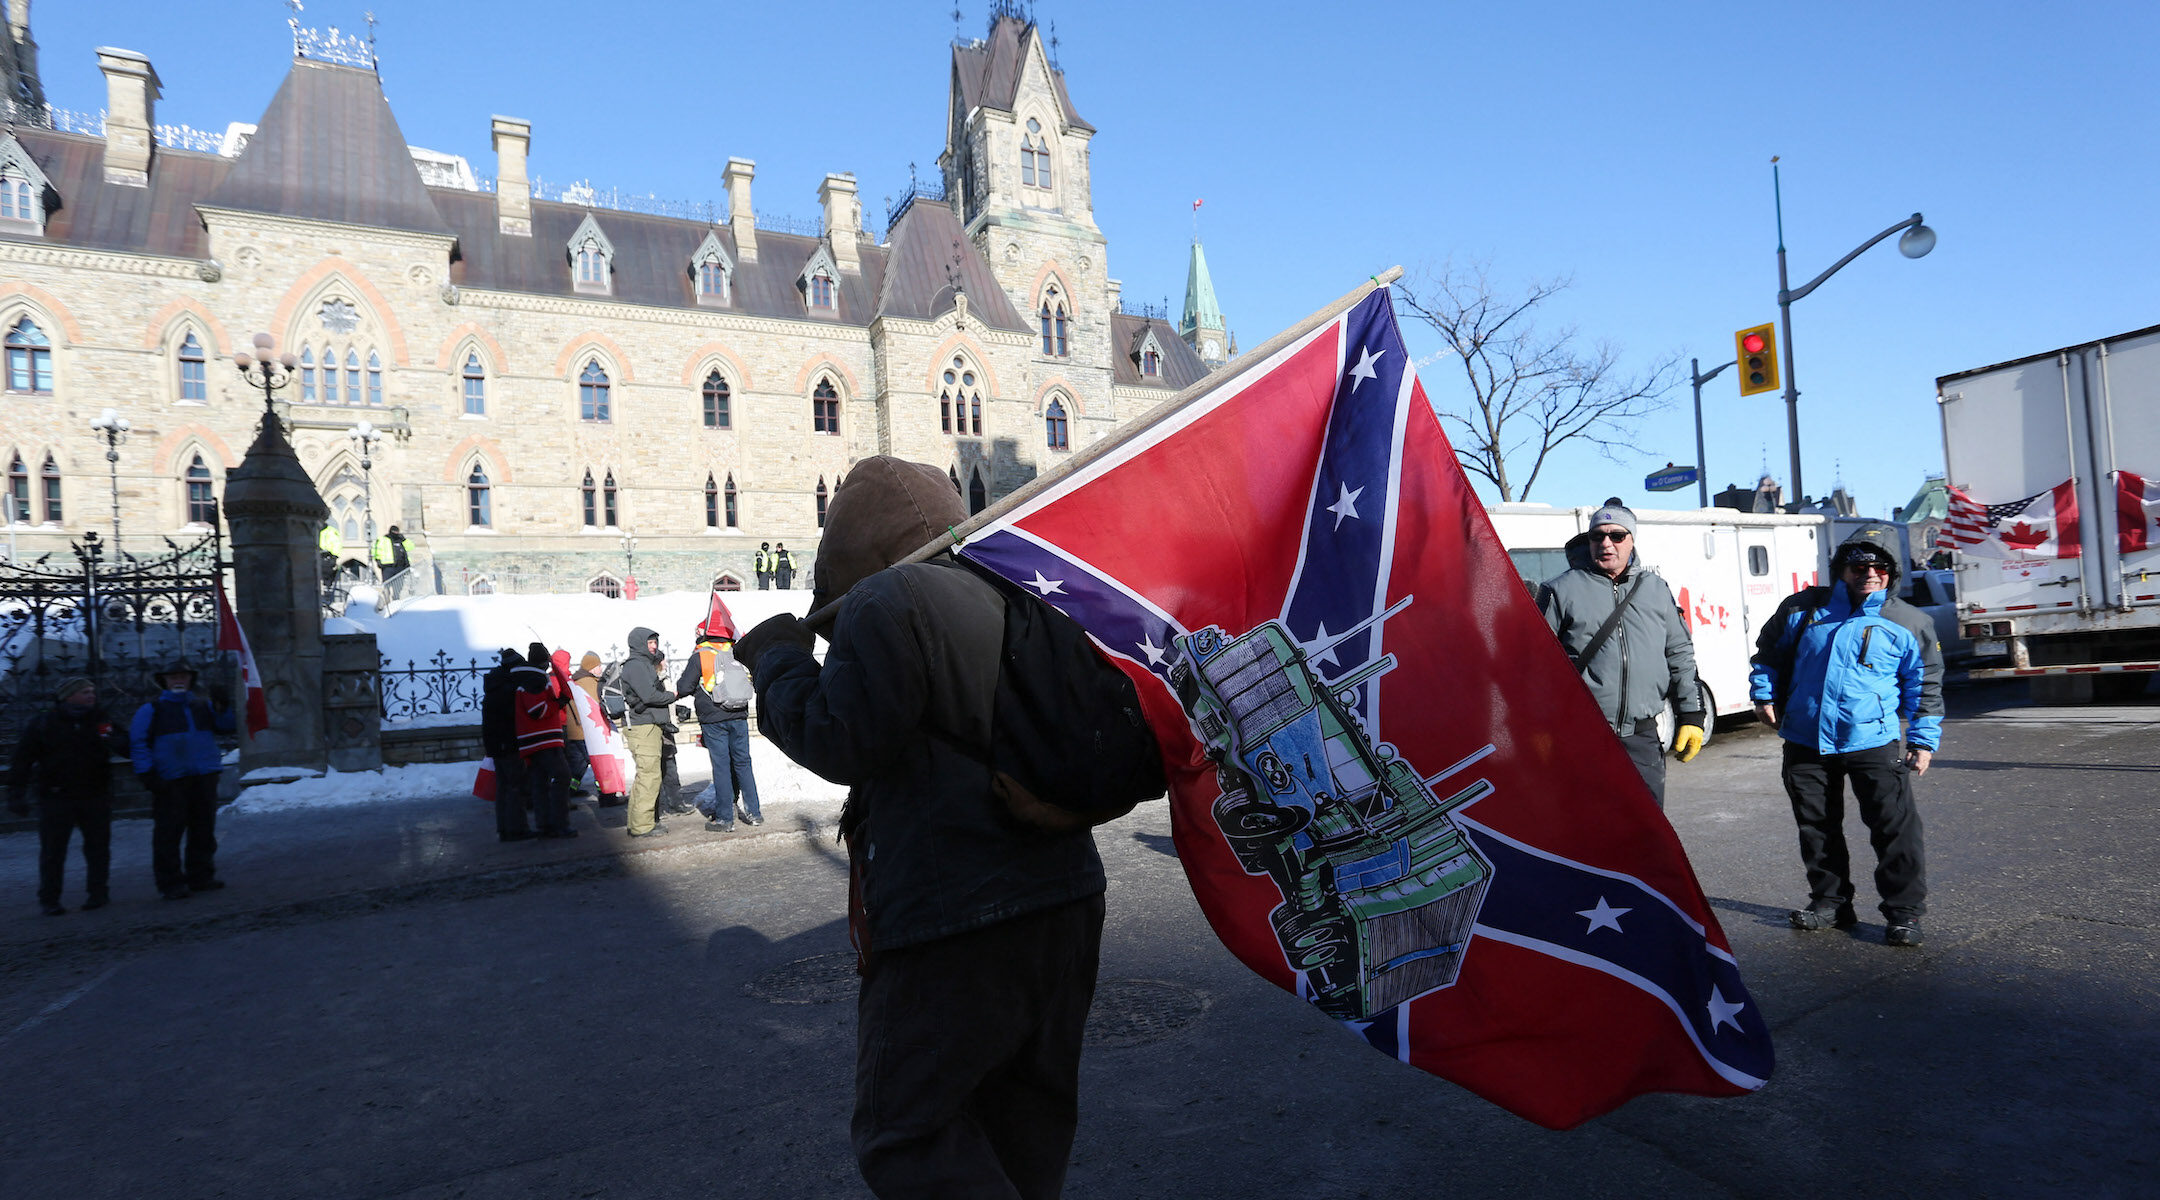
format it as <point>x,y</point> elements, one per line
<point>1757,349</point>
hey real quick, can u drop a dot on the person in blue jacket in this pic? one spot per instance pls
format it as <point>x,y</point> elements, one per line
<point>1851,677</point>
<point>174,743</point>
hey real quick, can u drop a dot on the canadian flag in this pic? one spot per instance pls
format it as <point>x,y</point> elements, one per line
<point>2137,510</point>
<point>2042,525</point>
<point>231,637</point>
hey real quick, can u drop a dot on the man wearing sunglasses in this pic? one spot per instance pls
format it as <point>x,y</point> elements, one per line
<point>1851,677</point>
<point>1618,623</point>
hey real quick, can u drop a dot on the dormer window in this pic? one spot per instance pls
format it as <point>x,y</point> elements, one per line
<point>1150,362</point>
<point>22,190</point>
<point>820,295</point>
<point>592,258</point>
<point>1034,157</point>
<point>712,271</point>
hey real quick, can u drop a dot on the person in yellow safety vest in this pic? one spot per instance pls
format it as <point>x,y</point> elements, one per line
<point>384,557</point>
<point>329,541</point>
<point>764,566</point>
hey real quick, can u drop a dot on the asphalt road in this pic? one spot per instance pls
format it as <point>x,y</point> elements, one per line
<point>645,1035</point>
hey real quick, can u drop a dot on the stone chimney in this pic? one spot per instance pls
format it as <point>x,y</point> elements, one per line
<point>741,217</point>
<point>513,191</point>
<point>843,219</point>
<point>131,92</point>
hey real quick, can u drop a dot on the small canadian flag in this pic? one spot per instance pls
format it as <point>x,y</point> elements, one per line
<point>232,637</point>
<point>2137,510</point>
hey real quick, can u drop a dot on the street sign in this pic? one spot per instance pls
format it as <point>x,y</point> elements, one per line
<point>1671,479</point>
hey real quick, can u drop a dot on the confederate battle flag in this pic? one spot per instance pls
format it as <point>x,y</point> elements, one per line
<point>1390,791</point>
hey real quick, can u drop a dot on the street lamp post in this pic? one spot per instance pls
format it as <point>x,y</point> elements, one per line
<point>113,427</point>
<point>1918,240</point>
<point>365,435</point>
<point>1702,465</point>
<point>629,551</point>
<point>261,371</point>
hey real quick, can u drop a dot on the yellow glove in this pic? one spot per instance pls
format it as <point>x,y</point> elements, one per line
<point>1687,743</point>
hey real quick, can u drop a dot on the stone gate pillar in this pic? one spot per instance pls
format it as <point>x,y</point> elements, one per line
<point>274,514</point>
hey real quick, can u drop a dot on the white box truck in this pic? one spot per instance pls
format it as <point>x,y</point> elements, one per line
<point>1728,571</point>
<point>2059,567</point>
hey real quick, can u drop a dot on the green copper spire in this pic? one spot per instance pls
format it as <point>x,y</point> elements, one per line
<point>1201,311</point>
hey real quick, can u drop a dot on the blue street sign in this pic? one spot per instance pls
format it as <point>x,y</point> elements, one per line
<point>1671,479</point>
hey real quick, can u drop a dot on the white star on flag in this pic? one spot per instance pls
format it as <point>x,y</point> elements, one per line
<point>1364,368</point>
<point>1046,586</point>
<point>1346,504</point>
<point>1604,916</point>
<point>1154,652</point>
<point>1722,1010</point>
<point>1327,656</point>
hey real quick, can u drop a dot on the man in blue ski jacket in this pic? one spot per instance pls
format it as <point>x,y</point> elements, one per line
<point>174,743</point>
<point>1851,677</point>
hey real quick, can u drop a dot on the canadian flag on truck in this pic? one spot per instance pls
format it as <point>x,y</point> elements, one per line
<point>2042,525</point>
<point>2137,510</point>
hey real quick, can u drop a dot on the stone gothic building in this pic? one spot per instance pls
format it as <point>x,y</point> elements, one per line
<point>549,374</point>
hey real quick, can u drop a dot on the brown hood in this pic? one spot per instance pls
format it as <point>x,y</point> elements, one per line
<point>885,510</point>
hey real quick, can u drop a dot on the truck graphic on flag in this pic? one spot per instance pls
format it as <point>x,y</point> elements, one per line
<point>1380,888</point>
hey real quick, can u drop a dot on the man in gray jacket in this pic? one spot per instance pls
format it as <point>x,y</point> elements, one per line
<point>1635,663</point>
<point>646,729</point>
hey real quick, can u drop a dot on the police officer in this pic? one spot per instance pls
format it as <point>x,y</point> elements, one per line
<point>784,566</point>
<point>764,566</point>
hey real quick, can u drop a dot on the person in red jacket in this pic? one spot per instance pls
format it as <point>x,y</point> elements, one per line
<point>542,693</point>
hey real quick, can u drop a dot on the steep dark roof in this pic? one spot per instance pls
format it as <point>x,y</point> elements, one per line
<point>159,219</point>
<point>1180,366</point>
<point>916,285</point>
<point>989,72</point>
<point>652,259</point>
<point>329,149</point>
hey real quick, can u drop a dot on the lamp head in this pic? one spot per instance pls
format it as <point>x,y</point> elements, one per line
<point>243,360</point>
<point>1917,241</point>
<point>263,342</point>
<point>288,360</point>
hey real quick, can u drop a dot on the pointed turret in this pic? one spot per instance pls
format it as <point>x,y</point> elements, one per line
<point>1202,325</point>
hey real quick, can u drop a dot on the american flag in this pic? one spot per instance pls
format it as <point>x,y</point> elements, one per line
<point>1970,520</point>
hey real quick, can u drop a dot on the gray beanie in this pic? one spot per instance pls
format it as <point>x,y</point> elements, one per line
<point>71,685</point>
<point>1614,514</point>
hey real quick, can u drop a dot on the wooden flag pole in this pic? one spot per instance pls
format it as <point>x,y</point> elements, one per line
<point>1146,421</point>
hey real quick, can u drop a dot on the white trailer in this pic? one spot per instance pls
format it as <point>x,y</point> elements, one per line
<point>1728,571</point>
<point>2069,586</point>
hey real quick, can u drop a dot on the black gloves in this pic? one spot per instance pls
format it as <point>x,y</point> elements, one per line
<point>783,630</point>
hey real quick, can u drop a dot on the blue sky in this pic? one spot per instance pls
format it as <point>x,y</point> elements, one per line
<point>1626,146</point>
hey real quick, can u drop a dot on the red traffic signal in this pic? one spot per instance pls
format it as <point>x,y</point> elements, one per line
<point>1757,349</point>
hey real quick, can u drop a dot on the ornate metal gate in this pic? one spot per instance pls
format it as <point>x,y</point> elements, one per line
<point>118,623</point>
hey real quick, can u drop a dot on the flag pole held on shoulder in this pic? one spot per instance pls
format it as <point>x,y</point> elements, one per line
<point>1145,422</point>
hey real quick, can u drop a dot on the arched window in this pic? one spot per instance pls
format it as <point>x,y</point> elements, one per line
<point>29,359</point>
<point>589,496</point>
<point>954,475</point>
<point>978,495</point>
<point>716,402</point>
<point>475,386</point>
<point>1054,426</point>
<point>825,408</point>
<point>975,411</point>
<point>1052,317</point>
<point>374,379</point>
<point>593,392</point>
<point>712,502</point>
<point>726,583</point>
<point>712,281</point>
<point>607,499</point>
<point>352,377</point>
<point>1150,362</point>
<point>957,396</point>
<point>605,584</point>
<point>307,375</point>
<point>821,291</point>
<point>194,382</point>
<point>821,497</point>
<point>1034,157</point>
<point>18,200</point>
<point>481,585</point>
<point>18,490</point>
<point>201,505</point>
<point>591,268</point>
<point>727,501</point>
<point>477,509</point>
<point>49,477</point>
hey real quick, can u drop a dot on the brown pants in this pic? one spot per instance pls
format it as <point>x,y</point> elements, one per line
<point>644,743</point>
<point>967,1058</point>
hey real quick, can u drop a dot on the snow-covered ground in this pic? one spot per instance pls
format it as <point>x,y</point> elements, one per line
<point>478,626</point>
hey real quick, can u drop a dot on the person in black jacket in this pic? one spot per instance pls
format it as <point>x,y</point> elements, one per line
<point>498,737</point>
<point>646,728</point>
<point>979,934</point>
<point>783,566</point>
<point>64,758</point>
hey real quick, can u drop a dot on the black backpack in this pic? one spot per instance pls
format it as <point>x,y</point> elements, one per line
<point>1069,744</point>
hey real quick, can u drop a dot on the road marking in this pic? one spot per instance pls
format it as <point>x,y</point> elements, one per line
<point>56,1006</point>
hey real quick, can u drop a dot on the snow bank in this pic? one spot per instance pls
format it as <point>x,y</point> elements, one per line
<point>337,789</point>
<point>468,627</point>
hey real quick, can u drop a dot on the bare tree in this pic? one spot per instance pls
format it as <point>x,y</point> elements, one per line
<point>1529,392</point>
